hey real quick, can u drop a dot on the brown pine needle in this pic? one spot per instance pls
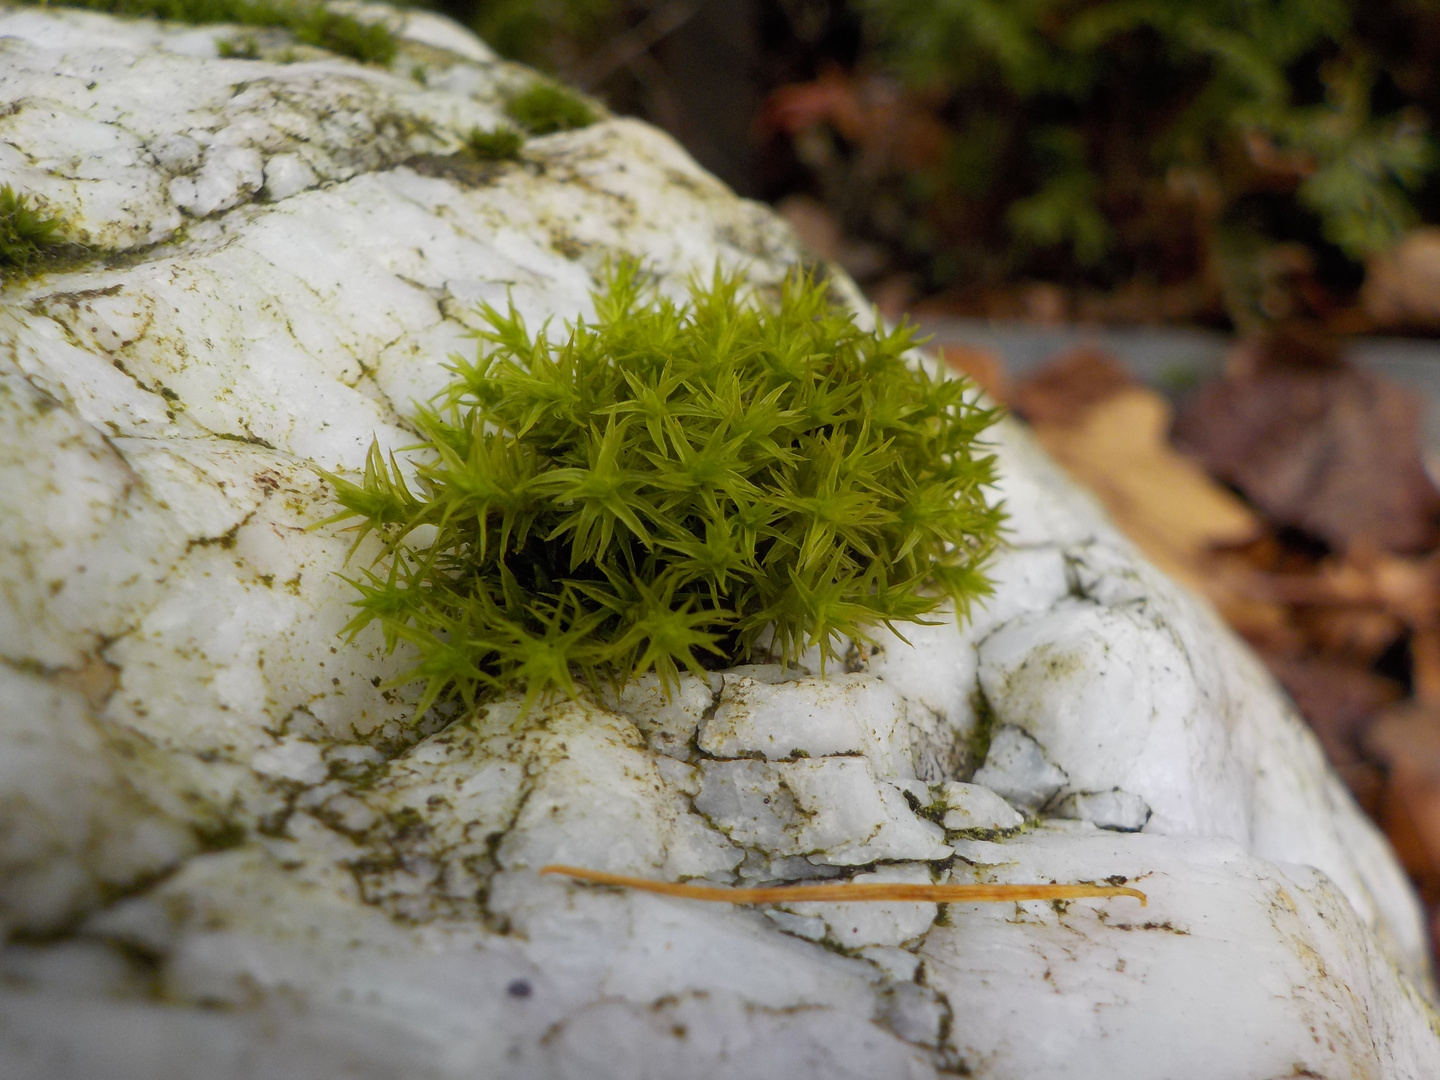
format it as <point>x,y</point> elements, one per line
<point>847,891</point>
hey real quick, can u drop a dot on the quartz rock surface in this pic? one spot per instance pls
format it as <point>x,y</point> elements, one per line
<point>976,807</point>
<point>229,850</point>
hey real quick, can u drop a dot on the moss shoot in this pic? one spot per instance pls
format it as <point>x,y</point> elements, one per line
<point>498,144</point>
<point>543,108</point>
<point>672,486</point>
<point>310,22</point>
<point>25,234</point>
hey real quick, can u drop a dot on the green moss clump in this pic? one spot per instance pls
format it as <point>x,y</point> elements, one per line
<point>25,234</point>
<point>311,23</point>
<point>238,48</point>
<point>498,144</point>
<point>370,43</point>
<point>672,486</point>
<point>543,108</point>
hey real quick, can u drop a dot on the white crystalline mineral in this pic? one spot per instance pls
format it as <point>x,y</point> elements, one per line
<point>1115,809</point>
<point>974,806</point>
<point>229,851</point>
<point>1016,769</point>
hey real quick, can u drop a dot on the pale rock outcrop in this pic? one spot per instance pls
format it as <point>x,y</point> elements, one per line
<point>228,849</point>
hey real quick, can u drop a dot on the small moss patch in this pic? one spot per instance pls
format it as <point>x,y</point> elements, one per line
<point>310,23</point>
<point>26,235</point>
<point>498,144</point>
<point>543,108</point>
<point>244,47</point>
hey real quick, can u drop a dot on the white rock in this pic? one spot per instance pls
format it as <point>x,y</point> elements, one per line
<point>1120,810</point>
<point>974,806</point>
<point>809,927</point>
<point>176,153</point>
<point>427,28</point>
<point>286,175</point>
<point>291,759</point>
<point>935,669</point>
<point>731,1041</point>
<point>1028,580</point>
<point>668,720</point>
<point>916,1013</point>
<point>1016,769</point>
<point>857,926</point>
<point>1231,970</point>
<point>898,965</point>
<point>236,853</point>
<point>227,175</point>
<point>72,825</point>
<point>814,717</point>
<point>1113,699</point>
<point>832,810</point>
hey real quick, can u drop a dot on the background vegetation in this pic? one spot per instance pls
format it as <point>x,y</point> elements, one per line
<point>1186,151</point>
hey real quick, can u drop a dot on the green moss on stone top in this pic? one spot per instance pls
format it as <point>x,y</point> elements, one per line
<point>311,23</point>
<point>543,108</point>
<point>25,234</point>
<point>672,486</point>
<point>498,144</point>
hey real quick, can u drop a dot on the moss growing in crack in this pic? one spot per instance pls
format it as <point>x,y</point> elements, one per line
<point>311,23</point>
<point>543,108</point>
<point>26,235</point>
<point>977,741</point>
<point>500,143</point>
<point>672,486</point>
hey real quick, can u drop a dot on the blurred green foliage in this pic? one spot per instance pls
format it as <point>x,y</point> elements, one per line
<point>1091,143</point>
<point>529,30</point>
<point>1102,100</point>
<point>310,22</point>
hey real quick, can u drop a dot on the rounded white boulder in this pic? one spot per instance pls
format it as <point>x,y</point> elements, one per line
<point>231,850</point>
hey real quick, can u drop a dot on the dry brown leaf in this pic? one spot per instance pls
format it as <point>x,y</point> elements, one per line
<point>1410,816</point>
<point>1316,445</point>
<point>1407,739</point>
<point>983,366</point>
<point>1340,696</point>
<point>1389,593</point>
<point>1402,286</point>
<point>1065,390</point>
<point>888,125</point>
<point>1361,635</point>
<point>1410,589</point>
<point>1164,502</point>
<point>1111,435</point>
<point>1425,665</point>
